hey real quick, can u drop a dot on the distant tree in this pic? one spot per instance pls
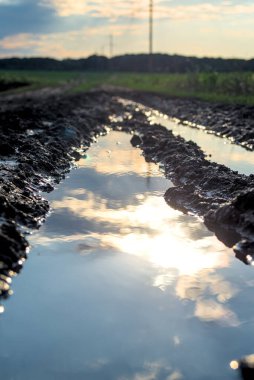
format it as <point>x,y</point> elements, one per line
<point>162,63</point>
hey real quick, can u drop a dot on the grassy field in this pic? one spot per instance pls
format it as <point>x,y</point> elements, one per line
<point>215,87</point>
<point>42,77</point>
<point>39,79</point>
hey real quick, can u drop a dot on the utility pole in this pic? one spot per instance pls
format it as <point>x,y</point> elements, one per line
<point>150,35</point>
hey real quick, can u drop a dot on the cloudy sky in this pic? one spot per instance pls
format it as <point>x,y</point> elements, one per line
<point>78,28</point>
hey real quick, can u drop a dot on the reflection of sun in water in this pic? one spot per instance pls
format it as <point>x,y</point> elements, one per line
<point>168,251</point>
<point>183,253</point>
<point>153,232</point>
<point>157,234</point>
<point>163,237</point>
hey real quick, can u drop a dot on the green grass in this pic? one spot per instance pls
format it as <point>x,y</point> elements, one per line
<point>39,79</point>
<point>216,87</point>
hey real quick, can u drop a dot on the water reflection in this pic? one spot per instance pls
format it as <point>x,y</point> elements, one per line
<point>149,230</point>
<point>125,288</point>
<point>115,158</point>
<point>136,221</point>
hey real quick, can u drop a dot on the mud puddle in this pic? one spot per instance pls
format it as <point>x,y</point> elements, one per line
<point>217,149</point>
<point>124,287</point>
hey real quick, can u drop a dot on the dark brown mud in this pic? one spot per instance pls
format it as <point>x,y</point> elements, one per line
<point>38,145</point>
<point>11,85</point>
<point>41,138</point>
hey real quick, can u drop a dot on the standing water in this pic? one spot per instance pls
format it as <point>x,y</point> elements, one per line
<point>119,286</point>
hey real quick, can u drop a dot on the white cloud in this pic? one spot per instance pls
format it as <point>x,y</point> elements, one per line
<point>113,9</point>
<point>204,11</point>
<point>98,8</point>
<point>67,7</point>
<point>40,44</point>
<point>61,45</point>
<point>222,29</point>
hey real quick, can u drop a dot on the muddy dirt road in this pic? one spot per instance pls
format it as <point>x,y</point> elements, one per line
<point>41,137</point>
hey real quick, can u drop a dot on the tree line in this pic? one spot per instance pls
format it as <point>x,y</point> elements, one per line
<point>160,63</point>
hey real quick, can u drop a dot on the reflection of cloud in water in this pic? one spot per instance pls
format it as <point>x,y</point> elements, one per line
<point>113,191</point>
<point>155,371</point>
<point>209,310</point>
<point>163,237</point>
<point>201,288</point>
<point>81,243</point>
<point>76,192</point>
<point>115,155</point>
<point>183,253</point>
<point>66,223</point>
<point>176,375</point>
<point>192,288</point>
<point>152,231</point>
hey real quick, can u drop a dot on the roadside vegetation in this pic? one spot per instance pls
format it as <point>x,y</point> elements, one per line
<point>37,79</point>
<point>216,87</point>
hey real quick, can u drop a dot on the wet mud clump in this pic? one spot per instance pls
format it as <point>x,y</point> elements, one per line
<point>236,218</point>
<point>41,137</point>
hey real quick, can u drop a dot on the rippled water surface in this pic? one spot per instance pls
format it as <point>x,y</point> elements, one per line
<point>119,286</point>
